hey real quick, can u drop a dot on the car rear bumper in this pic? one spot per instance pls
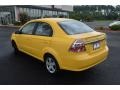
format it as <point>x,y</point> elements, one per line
<point>80,62</point>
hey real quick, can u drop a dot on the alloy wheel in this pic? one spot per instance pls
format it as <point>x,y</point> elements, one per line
<point>50,65</point>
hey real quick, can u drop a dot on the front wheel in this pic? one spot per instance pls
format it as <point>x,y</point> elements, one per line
<point>15,47</point>
<point>51,65</point>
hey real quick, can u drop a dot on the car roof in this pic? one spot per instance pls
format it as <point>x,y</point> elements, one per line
<point>51,19</point>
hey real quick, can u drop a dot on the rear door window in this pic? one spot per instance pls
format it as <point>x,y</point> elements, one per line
<point>43,29</point>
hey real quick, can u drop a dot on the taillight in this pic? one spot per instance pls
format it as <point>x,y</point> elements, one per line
<point>77,46</point>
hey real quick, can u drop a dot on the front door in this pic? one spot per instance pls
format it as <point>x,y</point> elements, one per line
<point>24,39</point>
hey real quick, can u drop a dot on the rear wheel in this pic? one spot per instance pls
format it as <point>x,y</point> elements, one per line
<point>15,47</point>
<point>51,64</point>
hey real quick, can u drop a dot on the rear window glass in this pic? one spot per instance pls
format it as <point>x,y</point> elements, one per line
<point>72,27</point>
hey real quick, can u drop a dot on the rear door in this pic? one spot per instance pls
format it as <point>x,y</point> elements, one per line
<point>42,38</point>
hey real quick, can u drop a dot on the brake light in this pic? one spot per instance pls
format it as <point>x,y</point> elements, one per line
<point>77,46</point>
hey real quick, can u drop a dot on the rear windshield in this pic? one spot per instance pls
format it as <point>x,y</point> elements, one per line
<point>72,27</point>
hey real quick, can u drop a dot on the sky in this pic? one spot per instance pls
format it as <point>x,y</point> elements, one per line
<point>59,2</point>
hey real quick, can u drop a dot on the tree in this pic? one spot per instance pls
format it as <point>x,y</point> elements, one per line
<point>97,12</point>
<point>75,15</point>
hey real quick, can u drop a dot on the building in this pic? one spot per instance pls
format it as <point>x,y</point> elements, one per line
<point>10,14</point>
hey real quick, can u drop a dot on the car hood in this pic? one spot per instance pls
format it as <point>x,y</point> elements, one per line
<point>114,23</point>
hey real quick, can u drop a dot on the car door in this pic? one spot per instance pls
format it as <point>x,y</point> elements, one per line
<point>42,38</point>
<point>24,39</point>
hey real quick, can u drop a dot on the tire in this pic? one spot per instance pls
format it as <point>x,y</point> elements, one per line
<point>51,64</point>
<point>16,51</point>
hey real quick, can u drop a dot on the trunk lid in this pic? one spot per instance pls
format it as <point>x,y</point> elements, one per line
<point>94,41</point>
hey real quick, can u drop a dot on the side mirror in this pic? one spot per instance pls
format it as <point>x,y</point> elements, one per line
<point>18,32</point>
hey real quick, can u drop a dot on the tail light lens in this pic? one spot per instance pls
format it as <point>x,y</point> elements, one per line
<point>77,46</point>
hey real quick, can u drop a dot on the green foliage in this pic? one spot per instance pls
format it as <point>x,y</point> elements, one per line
<point>100,28</point>
<point>115,27</point>
<point>24,17</point>
<point>75,15</point>
<point>46,16</point>
<point>61,16</point>
<point>95,12</point>
<point>17,23</point>
<point>81,17</point>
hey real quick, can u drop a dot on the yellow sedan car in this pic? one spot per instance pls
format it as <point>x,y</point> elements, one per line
<point>61,44</point>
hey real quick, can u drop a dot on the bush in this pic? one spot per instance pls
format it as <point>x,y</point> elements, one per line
<point>88,18</point>
<point>115,27</point>
<point>100,28</point>
<point>24,18</point>
<point>17,23</point>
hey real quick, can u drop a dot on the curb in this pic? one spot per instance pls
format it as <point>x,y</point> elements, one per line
<point>105,31</point>
<point>10,26</point>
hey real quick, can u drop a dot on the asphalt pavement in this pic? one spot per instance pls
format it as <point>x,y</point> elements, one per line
<point>96,24</point>
<point>22,69</point>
